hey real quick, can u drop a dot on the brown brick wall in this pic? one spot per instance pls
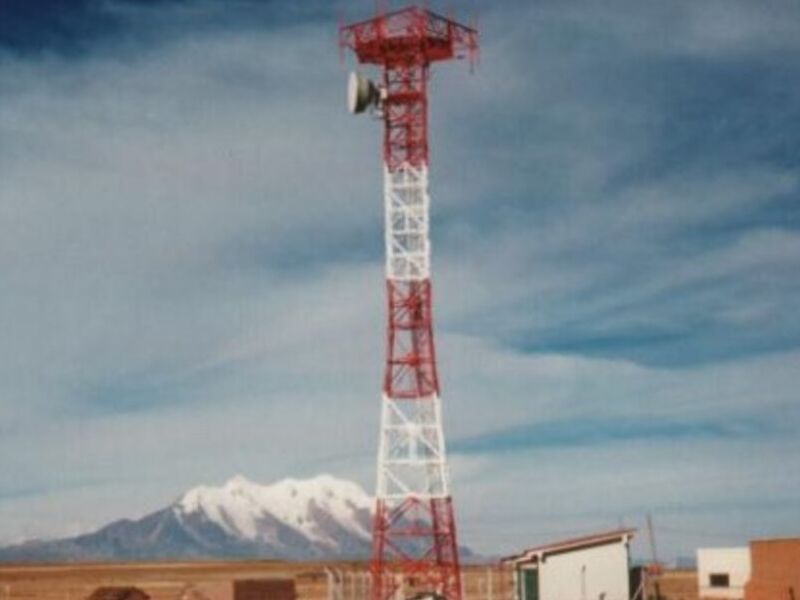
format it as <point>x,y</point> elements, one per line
<point>215,581</point>
<point>673,584</point>
<point>775,570</point>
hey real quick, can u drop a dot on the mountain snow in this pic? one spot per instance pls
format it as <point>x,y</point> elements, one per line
<point>316,508</point>
<point>318,518</point>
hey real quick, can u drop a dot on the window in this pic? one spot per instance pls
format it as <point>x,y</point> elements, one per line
<point>719,580</point>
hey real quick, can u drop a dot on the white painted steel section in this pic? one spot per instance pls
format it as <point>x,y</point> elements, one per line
<point>407,203</point>
<point>411,453</point>
<point>733,562</point>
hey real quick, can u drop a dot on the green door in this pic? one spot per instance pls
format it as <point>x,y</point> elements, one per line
<point>530,584</point>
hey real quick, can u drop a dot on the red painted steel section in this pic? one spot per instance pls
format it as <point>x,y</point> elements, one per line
<point>410,355</point>
<point>414,541</point>
<point>404,43</point>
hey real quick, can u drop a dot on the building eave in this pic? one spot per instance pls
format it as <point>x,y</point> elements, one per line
<point>538,553</point>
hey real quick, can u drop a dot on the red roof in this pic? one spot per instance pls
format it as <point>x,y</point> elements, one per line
<point>578,543</point>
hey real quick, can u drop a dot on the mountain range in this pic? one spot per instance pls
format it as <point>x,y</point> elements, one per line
<point>321,517</point>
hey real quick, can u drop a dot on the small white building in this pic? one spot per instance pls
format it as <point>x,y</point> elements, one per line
<point>723,572</point>
<point>594,567</point>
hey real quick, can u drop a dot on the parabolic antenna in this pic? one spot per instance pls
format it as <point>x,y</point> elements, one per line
<point>361,93</point>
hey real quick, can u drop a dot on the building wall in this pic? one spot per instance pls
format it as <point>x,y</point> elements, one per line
<point>215,580</point>
<point>589,574</point>
<point>735,562</point>
<point>672,584</point>
<point>775,570</point>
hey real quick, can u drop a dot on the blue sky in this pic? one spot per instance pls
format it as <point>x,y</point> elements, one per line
<point>191,263</point>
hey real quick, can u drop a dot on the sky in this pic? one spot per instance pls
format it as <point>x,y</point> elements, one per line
<point>191,263</point>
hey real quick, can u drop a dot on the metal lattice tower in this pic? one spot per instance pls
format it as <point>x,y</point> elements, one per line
<point>415,547</point>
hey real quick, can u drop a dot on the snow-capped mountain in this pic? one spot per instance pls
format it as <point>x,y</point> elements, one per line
<point>328,515</point>
<point>321,517</point>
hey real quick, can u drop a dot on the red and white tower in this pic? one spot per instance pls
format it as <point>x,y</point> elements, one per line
<point>414,534</point>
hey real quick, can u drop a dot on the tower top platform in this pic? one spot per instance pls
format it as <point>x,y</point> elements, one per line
<point>412,34</point>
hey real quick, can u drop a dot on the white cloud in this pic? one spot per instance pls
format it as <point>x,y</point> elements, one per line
<point>154,339</point>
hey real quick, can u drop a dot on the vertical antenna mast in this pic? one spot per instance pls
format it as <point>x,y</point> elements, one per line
<point>651,536</point>
<point>414,544</point>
